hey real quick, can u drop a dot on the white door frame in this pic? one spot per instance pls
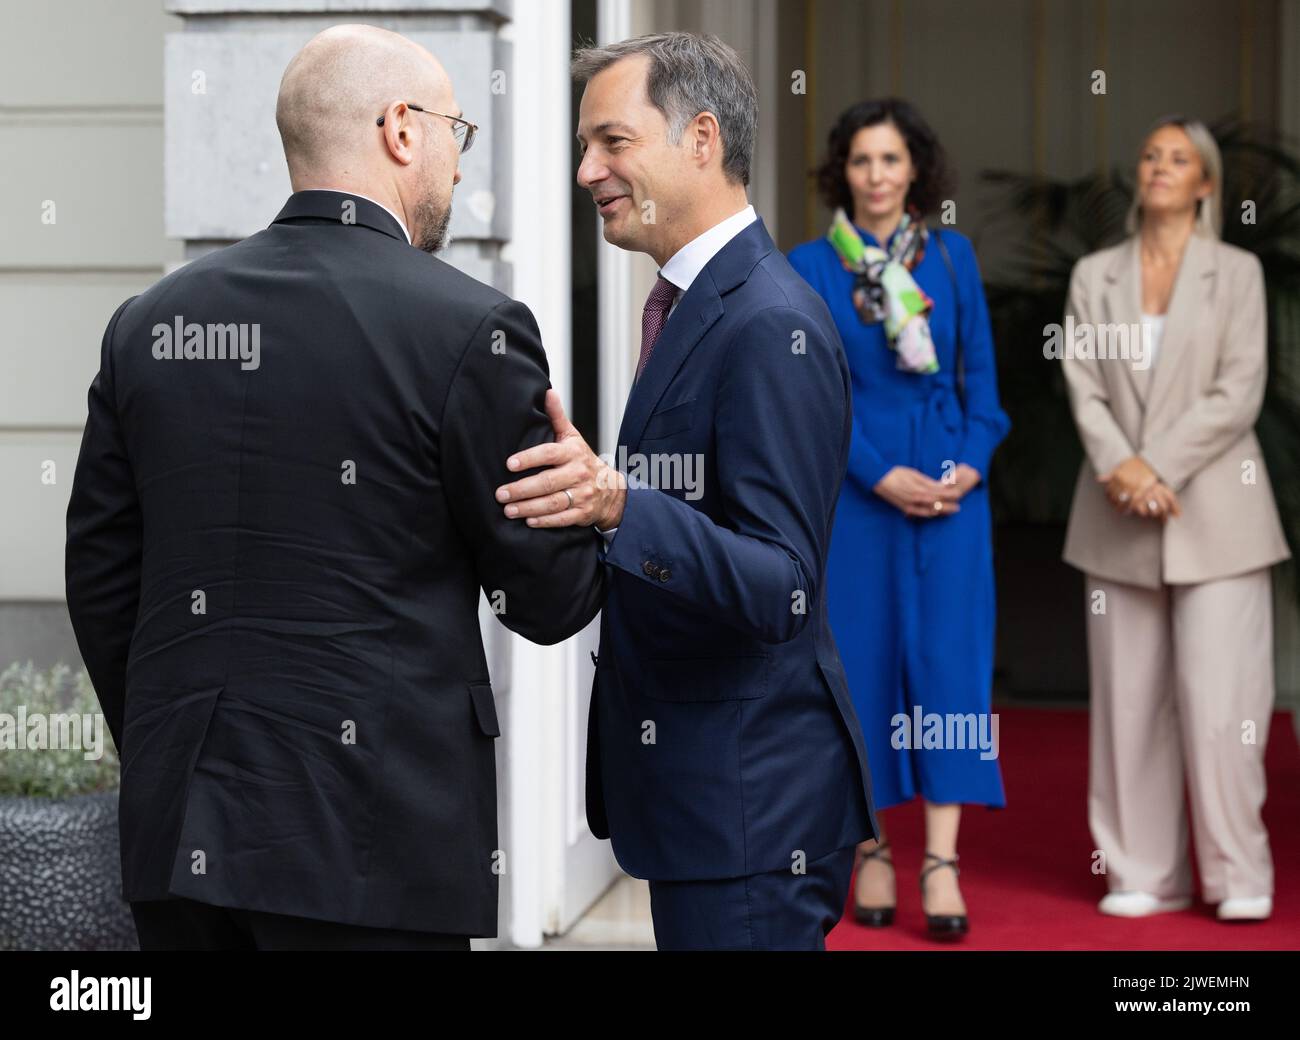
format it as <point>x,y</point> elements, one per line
<point>555,867</point>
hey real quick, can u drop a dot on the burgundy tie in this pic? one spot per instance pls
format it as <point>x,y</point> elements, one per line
<point>654,317</point>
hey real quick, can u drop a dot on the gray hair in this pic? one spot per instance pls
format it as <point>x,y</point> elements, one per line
<point>1209,210</point>
<point>690,74</point>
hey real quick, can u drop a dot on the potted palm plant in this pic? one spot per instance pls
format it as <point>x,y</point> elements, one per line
<point>60,874</point>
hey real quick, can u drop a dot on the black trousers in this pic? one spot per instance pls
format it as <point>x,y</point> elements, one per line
<point>186,924</point>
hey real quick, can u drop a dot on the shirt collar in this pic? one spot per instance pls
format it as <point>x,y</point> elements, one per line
<point>358,195</point>
<point>684,266</point>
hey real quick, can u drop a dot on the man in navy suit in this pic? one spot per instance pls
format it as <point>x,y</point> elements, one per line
<point>724,757</point>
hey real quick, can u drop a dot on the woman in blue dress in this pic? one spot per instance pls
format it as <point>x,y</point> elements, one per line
<point>910,574</point>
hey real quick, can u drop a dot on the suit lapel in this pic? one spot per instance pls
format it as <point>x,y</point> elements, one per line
<point>1123,296</point>
<point>689,321</point>
<point>694,315</point>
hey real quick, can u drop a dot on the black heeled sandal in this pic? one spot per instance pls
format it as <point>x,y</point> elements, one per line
<point>872,916</point>
<point>942,926</point>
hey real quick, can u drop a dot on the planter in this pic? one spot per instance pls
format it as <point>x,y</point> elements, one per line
<point>61,875</point>
<point>1042,652</point>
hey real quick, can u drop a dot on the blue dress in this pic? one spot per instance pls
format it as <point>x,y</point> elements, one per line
<point>911,601</point>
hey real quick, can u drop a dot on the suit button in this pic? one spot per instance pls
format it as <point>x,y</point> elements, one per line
<point>665,574</point>
<point>649,568</point>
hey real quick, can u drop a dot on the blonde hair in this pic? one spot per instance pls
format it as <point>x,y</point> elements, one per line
<point>1209,210</point>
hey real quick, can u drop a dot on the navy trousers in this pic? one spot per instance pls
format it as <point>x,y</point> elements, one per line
<point>778,910</point>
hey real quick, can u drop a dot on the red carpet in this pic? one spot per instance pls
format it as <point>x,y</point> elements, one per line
<point>1026,870</point>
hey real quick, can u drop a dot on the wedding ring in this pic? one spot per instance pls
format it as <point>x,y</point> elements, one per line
<point>938,506</point>
<point>1152,505</point>
<point>1123,496</point>
<point>570,494</point>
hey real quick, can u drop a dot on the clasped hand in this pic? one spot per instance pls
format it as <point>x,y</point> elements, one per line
<point>1134,487</point>
<point>915,494</point>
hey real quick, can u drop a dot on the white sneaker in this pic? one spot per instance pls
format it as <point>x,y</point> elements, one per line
<point>1140,904</point>
<point>1245,908</point>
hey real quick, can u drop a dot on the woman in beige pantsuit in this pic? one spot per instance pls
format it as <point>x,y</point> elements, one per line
<point>1175,527</point>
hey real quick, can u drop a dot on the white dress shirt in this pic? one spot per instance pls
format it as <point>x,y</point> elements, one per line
<point>685,265</point>
<point>358,195</point>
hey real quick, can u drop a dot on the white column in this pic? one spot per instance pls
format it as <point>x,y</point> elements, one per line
<point>540,251</point>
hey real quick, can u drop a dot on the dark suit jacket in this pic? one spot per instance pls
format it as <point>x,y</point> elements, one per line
<point>722,741</point>
<point>273,572</point>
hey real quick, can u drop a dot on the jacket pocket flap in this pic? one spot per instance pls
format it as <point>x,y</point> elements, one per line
<point>668,421</point>
<point>731,678</point>
<point>485,708</point>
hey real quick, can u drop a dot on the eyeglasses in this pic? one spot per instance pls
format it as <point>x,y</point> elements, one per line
<point>462,129</point>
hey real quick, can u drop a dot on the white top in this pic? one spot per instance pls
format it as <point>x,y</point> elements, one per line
<point>1156,323</point>
<point>685,265</point>
<point>358,195</point>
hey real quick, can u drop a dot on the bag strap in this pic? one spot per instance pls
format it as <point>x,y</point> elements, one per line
<point>956,295</point>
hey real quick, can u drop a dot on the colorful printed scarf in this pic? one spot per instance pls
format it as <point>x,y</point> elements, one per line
<point>884,290</point>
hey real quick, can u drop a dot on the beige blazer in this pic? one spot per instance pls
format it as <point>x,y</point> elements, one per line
<point>1191,416</point>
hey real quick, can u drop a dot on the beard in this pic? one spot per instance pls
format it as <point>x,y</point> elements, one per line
<point>432,220</point>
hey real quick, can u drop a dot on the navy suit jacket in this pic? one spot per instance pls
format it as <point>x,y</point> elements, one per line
<point>722,740</point>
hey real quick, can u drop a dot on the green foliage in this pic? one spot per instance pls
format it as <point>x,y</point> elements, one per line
<point>51,772</point>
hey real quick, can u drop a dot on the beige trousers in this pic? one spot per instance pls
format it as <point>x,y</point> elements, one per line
<point>1182,685</point>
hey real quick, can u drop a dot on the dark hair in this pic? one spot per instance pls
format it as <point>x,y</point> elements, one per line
<point>934,178</point>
